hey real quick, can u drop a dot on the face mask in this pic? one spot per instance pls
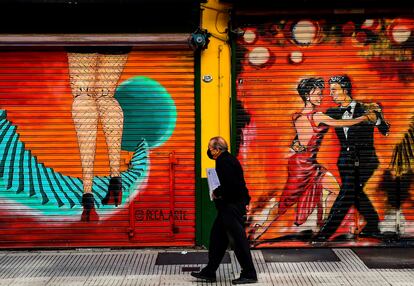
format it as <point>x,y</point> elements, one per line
<point>209,154</point>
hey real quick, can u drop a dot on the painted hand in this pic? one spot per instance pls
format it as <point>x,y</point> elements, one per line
<point>371,116</point>
<point>297,147</point>
<point>372,107</point>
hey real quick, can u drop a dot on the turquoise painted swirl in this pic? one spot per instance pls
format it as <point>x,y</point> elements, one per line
<point>27,181</point>
<point>149,120</point>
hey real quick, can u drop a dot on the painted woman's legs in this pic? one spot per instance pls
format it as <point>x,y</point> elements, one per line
<point>85,118</point>
<point>109,69</point>
<point>330,192</point>
<point>260,221</point>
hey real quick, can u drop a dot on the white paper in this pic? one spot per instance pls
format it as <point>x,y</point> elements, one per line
<point>213,181</point>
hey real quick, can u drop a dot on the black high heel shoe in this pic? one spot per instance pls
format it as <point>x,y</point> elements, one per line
<point>89,213</point>
<point>114,194</point>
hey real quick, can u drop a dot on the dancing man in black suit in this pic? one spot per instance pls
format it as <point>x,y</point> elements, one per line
<point>357,159</point>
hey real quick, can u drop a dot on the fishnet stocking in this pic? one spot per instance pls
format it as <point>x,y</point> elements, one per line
<point>112,120</point>
<point>110,68</point>
<point>82,73</point>
<point>84,111</point>
<point>85,118</point>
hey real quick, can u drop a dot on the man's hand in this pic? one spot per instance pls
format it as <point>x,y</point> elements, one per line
<point>215,195</point>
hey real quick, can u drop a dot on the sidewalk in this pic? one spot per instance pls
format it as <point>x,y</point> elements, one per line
<point>142,267</point>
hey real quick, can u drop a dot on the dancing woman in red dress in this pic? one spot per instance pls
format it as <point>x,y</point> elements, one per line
<point>309,185</point>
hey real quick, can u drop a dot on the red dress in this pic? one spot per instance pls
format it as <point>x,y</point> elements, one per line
<point>304,183</point>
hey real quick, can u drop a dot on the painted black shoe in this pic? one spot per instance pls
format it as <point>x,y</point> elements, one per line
<point>114,194</point>
<point>370,234</point>
<point>89,212</point>
<point>244,280</point>
<point>202,276</point>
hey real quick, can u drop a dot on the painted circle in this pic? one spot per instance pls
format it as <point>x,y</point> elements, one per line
<point>361,37</point>
<point>304,32</point>
<point>296,57</point>
<point>249,36</point>
<point>348,28</point>
<point>368,23</point>
<point>259,56</point>
<point>149,112</point>
<point>400,33</point>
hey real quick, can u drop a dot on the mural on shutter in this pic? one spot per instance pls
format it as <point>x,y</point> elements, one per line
<point>315,170</point>
<point>97,147</point>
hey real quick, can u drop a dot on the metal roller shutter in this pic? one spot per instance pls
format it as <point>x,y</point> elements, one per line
<point>50,109</point>
<point>288,188</point>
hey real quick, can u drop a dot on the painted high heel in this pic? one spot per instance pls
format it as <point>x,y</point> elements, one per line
<point>114,194</point>
<point>259,227</point>
<point>89,213</point>
<point>256,232</point>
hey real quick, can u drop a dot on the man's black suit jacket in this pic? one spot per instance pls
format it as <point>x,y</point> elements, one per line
<point>357,148</point>
<point>232,184</point>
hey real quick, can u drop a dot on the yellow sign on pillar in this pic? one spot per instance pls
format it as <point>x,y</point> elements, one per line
<point>215,78</point>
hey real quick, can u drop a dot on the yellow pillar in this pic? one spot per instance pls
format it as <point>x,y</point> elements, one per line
<point>216,64</point>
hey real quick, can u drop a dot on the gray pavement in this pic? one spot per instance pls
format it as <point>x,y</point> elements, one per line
<point>138,267</point>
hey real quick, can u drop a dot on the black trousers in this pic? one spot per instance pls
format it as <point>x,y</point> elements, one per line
<point>229,225</point>
<point>351,193</point>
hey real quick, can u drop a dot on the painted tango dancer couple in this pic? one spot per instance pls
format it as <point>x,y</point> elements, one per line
<point>309,184</point>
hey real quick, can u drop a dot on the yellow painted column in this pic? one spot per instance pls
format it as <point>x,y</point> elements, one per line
<point>216,64</point>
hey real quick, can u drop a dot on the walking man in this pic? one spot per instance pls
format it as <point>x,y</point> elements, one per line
<point>231,199</point>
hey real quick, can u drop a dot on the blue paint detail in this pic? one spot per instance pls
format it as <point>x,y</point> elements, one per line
<point>10,156</point>
<point>36,180</point>
<point>14,178</point>
<point>30,183</point>
<point>25,171</point>
<point>76,195</point>
<point>5,146</point>
<point>60,186</point>
<point>19,167</point>
<point>149,112</point>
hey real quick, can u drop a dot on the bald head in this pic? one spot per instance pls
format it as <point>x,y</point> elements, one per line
<point>218,143</point>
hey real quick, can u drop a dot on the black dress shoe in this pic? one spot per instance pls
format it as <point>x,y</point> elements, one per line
<point>201,275</point>
<point>319,238</point>
<point>370,234</point>
<point>243,280</point>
